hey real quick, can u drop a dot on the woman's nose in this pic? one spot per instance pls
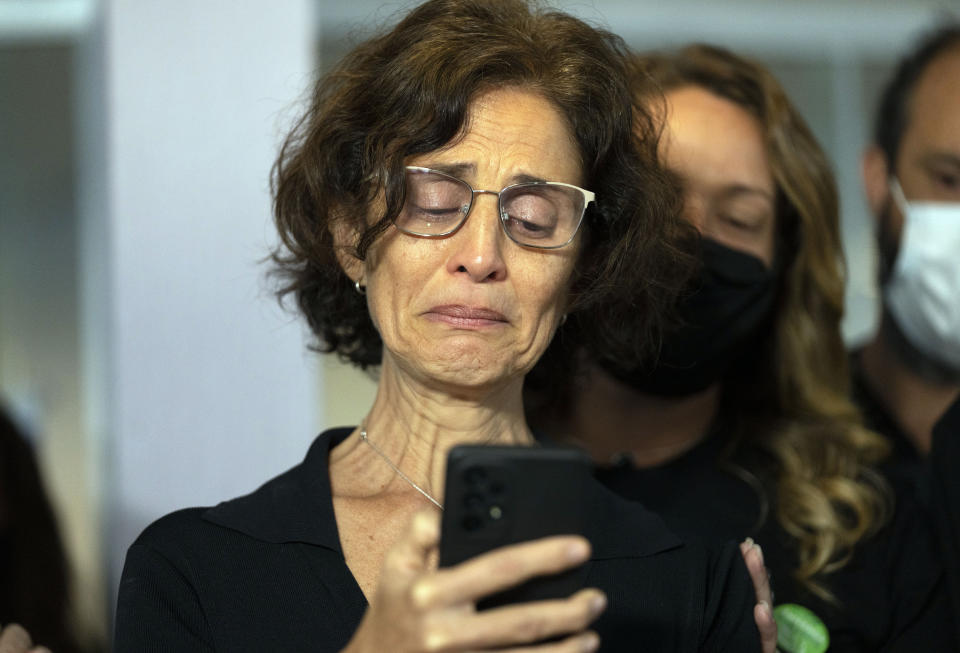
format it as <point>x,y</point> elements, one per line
<point>477,247</point>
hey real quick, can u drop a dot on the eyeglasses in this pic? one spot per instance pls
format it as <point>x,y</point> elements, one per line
<point>540,214</point>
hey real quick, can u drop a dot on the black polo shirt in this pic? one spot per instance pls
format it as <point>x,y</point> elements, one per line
<point>265,572</point>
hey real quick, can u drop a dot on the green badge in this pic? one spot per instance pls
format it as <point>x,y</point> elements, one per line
<point>799,630</point>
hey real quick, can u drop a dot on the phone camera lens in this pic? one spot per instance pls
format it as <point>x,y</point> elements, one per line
<point>473,502</point>
<point>475,475</point>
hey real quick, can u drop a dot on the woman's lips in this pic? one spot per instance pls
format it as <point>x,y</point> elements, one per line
<point>466,316</point>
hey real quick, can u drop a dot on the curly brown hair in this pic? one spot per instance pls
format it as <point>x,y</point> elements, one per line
<point>408,91</point>
<point>792,401</point>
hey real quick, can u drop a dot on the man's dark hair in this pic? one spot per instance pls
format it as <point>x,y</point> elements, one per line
<point>894,108</point>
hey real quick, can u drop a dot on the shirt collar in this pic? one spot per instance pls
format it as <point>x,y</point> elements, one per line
<point>297,507</point>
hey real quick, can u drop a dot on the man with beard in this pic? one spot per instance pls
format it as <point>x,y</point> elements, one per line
<point>907,377</point>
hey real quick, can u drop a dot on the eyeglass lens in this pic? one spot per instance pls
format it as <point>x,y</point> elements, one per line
<point>534,214</point>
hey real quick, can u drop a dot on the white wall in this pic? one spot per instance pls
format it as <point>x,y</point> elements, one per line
<point>40,380</point>
<point>209,389</point>
<point>138,340</point>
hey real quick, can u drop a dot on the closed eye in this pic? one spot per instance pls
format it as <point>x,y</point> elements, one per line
<point>437,211</point>
<point>530,228</point>
<point>738,222</point>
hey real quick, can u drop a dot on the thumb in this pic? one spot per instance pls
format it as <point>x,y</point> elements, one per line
<point>410,556</point>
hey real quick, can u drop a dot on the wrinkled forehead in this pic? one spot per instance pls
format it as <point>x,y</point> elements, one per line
<point>513,133</point>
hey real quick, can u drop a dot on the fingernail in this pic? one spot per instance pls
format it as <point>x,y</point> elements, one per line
<point>748,542</point>
<point>578,551</point>
<point>589,642</point>
<point>598,604</point>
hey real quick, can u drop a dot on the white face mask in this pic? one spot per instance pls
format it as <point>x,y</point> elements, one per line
<point>923,293</point>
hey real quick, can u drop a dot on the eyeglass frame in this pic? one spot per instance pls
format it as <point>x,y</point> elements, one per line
<point>588,197</point>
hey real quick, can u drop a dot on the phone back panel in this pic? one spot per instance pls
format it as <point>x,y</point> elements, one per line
<point>498,495</point>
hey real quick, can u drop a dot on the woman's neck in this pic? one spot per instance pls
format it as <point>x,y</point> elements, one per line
<point>610,419</point>
<point>413,425</point>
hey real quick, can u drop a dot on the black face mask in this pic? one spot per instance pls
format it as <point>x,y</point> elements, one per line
<point>730,303</point>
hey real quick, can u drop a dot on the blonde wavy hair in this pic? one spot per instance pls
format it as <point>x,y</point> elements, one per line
<point>792,404</point>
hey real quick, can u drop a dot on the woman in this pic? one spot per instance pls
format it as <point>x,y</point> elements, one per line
<point>432,207</point>
<point>742,426</point>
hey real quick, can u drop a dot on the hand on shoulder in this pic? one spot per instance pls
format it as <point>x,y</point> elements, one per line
<point>763,610</point>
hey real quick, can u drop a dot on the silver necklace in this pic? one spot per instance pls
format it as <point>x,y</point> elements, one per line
<point>363,436</point>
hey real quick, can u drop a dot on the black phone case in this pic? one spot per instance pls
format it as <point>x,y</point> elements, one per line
<point>499,495</point>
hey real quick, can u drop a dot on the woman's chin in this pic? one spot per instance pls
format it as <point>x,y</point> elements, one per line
<point>465,369</point>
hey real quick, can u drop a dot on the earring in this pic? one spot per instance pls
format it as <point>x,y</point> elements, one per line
<point>362,289</point>
<point>563,319</point>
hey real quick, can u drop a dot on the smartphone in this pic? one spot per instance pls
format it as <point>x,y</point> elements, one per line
<point>497,495</point>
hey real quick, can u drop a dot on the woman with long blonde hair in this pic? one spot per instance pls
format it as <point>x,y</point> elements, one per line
<point>742,425</point>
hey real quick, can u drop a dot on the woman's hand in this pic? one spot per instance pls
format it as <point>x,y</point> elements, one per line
<point>416,609</point>
<point>14,639</point>
<point>763,610</point>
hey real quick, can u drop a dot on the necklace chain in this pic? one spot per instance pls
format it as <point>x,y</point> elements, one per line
<point>399,472</point>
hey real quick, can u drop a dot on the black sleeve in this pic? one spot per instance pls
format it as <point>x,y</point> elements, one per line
<point>157,607</point>
<point>943,501</point>
<point>728,611</point>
